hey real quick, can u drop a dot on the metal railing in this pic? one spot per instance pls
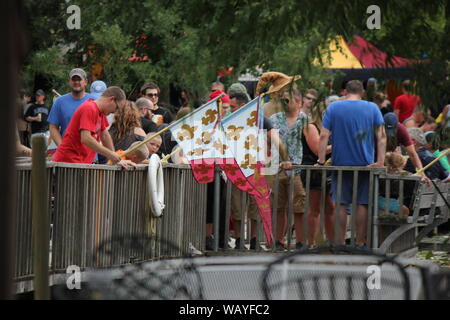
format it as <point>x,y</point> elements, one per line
<point>416,197</point>
<point>93,203</point>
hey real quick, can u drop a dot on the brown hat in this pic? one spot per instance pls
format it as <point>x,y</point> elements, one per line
<point>279,81</point>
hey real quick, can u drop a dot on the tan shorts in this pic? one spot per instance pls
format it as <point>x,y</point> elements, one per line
<point>236,201</point>
<point>283,193</point>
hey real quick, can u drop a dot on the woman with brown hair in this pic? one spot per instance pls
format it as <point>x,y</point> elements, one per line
<point>126,128</point>
<point>310,142</point>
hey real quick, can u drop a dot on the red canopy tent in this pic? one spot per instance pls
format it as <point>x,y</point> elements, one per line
<point>372,57</point>
<point>360,59</point>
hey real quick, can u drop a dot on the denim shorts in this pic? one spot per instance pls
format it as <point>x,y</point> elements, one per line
<point>347,187</point>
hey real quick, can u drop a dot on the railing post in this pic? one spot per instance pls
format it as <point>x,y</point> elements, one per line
<point>41,228</point>
<point>337,226</point>
<point>375,212</point>
<point>306,213</point>
<point>276,187</point>
<point>290,209</point>
<point>216,209</point>
<point>370,210</point>
<point>227,214</point>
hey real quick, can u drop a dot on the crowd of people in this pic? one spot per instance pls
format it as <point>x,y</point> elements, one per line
<point>358,127</point>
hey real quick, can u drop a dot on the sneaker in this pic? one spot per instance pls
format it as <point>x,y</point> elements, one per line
<point>298,246</point>
<point>279,246</point>
<point>237,243</point>
<point>209,243</point>
<point>362,247</point>
<point>253,243</point>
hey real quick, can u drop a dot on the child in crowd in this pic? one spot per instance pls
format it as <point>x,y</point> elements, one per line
<point>154,144</point>
<point>432,145</point>
<point>395,163</point>
<point>138,156</point>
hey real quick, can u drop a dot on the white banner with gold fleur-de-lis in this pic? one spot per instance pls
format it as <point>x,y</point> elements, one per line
<point>198,134</point>
<point>241,134</point>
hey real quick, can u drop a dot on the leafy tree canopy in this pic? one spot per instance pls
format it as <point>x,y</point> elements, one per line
<point>185,42</point>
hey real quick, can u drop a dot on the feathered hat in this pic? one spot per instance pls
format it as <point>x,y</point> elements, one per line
<point>278,80</point>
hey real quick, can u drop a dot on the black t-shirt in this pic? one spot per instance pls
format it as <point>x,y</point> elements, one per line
<point>385,110</point>
<point>148,125</point>
<point>33,111</point>
<point>267,124</point>
<point>167,116</point>
<point>168,143</point>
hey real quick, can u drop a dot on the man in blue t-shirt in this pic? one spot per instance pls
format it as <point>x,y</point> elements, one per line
<point>65,106</point>
<point>356,127</point>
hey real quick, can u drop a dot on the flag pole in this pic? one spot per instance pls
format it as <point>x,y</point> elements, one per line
<point>444,153</point>
<point>166,158</point>
<point>140,144</point>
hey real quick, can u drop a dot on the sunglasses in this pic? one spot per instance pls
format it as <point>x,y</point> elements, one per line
<point>151,95</point>
<point>286,100</point>
<point>310,98</point>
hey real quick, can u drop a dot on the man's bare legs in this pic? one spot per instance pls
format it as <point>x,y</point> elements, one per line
<point>361,224</point>
<point>314,216</point>
<point>343,224</point>
<point>298,222</point>
<point>360,221</point>
<point>281,225</point>
<point>237,231</point>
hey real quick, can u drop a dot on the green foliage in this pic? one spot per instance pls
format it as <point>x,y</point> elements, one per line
<point>48,63</point>
<point>187,41</point>
<point>439,257</point>
<point>111,49</point>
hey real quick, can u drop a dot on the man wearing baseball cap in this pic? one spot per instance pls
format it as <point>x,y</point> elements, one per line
<point>37,115</point>
<point>97,88</point>
<point>65,106</point>
<point>397,135</point>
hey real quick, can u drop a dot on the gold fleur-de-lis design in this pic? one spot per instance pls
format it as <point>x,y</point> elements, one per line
<point>251,142</point>
<point>252,120</point>
<point>249,162</point>
<point>210,117</point>
<point>205,139</point>
<point>197,152</point>
<point>220,147</point>
<point>186,132</point>
<point>233,132</point>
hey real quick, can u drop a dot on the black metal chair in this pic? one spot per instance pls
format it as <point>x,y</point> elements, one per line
<point>330,273</point>
<point>139,267</point>
<point>437,284</point>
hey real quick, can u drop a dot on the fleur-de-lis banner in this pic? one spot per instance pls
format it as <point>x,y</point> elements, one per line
<point>198,135</point>
<point>241,133</point>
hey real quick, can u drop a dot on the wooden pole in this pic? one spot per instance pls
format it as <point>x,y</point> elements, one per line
<point>444,153</point>
<point>166,158</point>
<point>15,48</point>
<point>137,146</point>
<point>41,225</point>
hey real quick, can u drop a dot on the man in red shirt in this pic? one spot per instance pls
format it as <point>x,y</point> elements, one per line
<point>81,140</point>
<point>397,135</point>
<point>405,104</point>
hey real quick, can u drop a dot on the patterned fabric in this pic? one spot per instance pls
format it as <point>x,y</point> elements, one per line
<point>291,136</point>
<point>198,136</point>
<point>257,186</point>
<point>242,138</point>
